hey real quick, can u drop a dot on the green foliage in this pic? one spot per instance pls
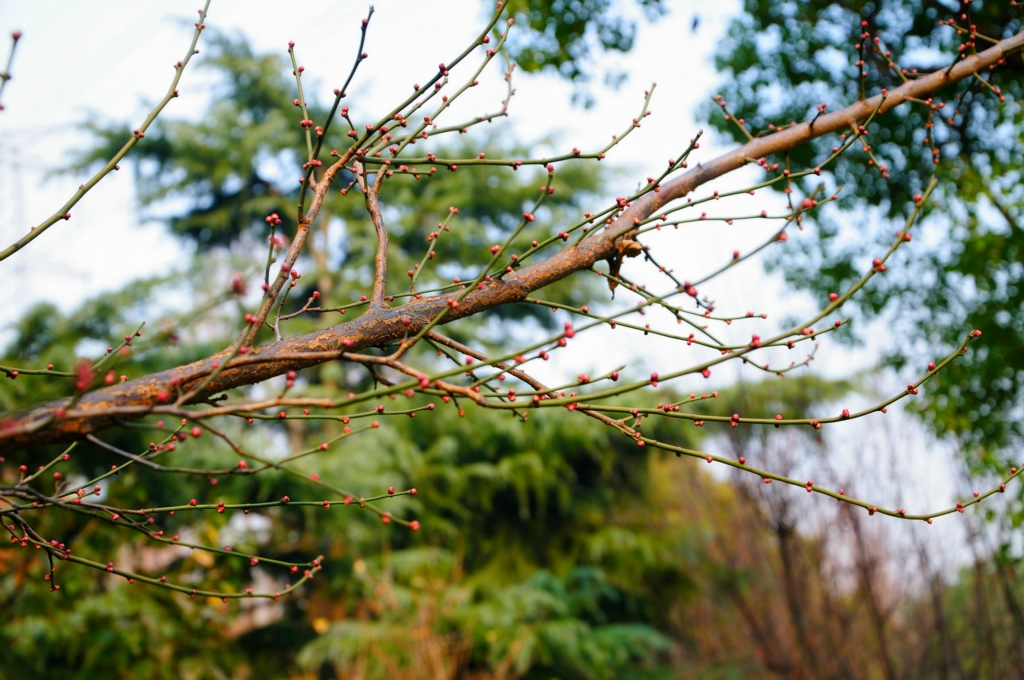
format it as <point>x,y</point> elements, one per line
<point>543,585</point>
<point>561,36</point>
<point>117,632</point>
<point>542,627</point>
<point>778,61</point>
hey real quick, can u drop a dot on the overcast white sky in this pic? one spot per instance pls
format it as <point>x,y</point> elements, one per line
<point>113,59</point>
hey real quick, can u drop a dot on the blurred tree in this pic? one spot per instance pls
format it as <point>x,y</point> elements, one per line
<point>231,170</point>
<point>562,36</point>
<point>965,270</point>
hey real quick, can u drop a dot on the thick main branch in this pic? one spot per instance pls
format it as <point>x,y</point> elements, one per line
<point>103,408</point>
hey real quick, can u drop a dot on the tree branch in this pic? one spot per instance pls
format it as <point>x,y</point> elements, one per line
<point>380,278</point>
<point>65,420</point>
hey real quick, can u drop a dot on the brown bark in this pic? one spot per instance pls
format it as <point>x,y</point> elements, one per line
<point>102,408</point>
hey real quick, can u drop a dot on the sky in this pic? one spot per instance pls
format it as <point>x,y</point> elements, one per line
<point>112,60</point>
